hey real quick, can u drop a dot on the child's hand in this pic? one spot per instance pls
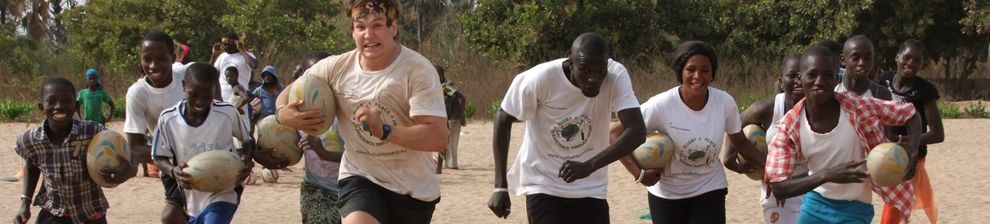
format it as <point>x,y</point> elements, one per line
<point>245,171</point>
<point>267,160</point>
<point>311,143</point>
<point>23,216</point>
<point>181,177</point>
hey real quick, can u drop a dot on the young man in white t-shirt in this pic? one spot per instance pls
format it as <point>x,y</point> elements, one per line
<point>391,115</point>
<point>233,54</point>
<point>832,133</point>
<point>199,124</point>
<point>159,89</point>
<point>567,105</point>
<point>859,58</point>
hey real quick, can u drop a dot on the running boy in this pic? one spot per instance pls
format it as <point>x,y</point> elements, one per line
<point>56,151</point>
<point>199,124</point>
<point>832,133</point>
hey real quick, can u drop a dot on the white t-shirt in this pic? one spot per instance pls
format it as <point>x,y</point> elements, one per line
<point>409,87</point>
<point>825,150</point>
<point>697,135</point>
<point>145,103</point>
<point>179,68</point>
<point>243,72</point>
<point>562,124</point>
<point>842,88</point>
<point>178,140</point>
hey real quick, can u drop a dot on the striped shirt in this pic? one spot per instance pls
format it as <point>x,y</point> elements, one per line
<point>867,116</point>
<point>67,189</point>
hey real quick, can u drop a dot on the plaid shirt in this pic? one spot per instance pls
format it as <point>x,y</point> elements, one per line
<point>67,189</point>
<point>866,115</point>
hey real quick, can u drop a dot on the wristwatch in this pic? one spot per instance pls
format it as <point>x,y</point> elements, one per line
<point>386,129</point>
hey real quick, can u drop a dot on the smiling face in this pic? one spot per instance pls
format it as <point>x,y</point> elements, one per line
<point>156,60</point>
<point>58,104</point>
<point>697,74</point>
<point>374,36</point>
<point>199,96</point>
<point>910,61</point>
<point>818,75</point>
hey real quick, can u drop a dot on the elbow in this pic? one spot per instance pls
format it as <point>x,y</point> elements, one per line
<point>637,133</point>
<point>938,137</point>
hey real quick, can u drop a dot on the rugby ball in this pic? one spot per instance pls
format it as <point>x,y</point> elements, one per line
<point>887,164</point>
<point>102,153</point>
<point>315,94</point>
<point>214,171</point>
<point>281,139</point>
<point>655,152</point>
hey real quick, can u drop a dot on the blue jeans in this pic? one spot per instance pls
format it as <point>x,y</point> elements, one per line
<point>218,212</point>
<point>818,209</point>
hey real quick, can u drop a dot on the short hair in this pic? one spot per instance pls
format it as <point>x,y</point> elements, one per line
<point>163,38</point>
<point>691,48</point>
<point>232,69</point>
<point>202,73</point>
<point>831,45</point>
<point>388,7</point>
<point>788,58</point>
<point>231,35</point>
<point>914,44</point>
<point>854,39</point>
<point>58,83</point>
<point>819,51</point>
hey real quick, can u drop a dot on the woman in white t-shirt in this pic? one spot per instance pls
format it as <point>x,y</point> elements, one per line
<point>692,187</point>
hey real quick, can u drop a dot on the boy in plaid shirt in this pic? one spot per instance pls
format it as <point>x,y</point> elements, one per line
<point>57,150</point>
<point>832,133</point>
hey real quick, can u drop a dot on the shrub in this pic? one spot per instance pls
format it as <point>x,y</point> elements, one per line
<point>11,110</point>
<point>948,110</point>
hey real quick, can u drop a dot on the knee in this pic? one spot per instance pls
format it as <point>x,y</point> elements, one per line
<point>359,217</point>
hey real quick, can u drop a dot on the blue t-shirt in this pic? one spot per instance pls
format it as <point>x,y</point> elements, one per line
<point>267,99</point>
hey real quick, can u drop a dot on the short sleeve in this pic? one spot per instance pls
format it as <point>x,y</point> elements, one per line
<point>733,123</point>
<point>20,147</point>
<point>161,143</point>
<point>783,152</point>
<point>135,121</point>
<point>622,91</point>
<point>929,93</point>
<point>520,100</point>
<point>652,115</point>
<point>425,95</point>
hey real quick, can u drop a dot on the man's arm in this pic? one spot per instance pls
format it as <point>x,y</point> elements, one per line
<point>31,176</point>
<point>288,114</point>
<point>499,203</point>
<point>633,135</point>
<point>849,172</point>
<point>429,134</point>
<point>139,147</point>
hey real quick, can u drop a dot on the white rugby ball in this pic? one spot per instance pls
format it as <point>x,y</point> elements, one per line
<point>102,153</point>
<point>315,94</point>
<point>214,171</point>
<point>281,139</point>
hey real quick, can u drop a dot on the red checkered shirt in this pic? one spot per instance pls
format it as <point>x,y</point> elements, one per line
<point>67,190</point>
<point>867,115</point>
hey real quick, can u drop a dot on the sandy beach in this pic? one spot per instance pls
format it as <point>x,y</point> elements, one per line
<point>955,168</point>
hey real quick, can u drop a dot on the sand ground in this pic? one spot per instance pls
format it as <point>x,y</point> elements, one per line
<point>956,168</point>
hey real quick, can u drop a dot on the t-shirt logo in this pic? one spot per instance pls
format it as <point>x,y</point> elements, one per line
<point>698,152</point>
<point>572,133</point>
<point>387,116</point>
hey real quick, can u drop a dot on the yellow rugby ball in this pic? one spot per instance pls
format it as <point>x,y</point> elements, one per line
<point>655,152</point>
<point>887,164</point>
<point>283,140</point>
<point>315,94</point>
<point>102,153</point>
<point>214,171</point>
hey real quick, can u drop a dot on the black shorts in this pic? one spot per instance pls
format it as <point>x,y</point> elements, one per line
<point>544,208</point>
<point>705,208</point>
<point>360,194</point>
<point>173,193</point>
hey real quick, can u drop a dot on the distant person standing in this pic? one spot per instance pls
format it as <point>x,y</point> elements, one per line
<point>181,59</point>
<point>91,99</point>
<point>230,52</point>
<point>455,102</point>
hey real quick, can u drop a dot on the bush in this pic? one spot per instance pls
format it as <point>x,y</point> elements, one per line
<point>948,110</point>
<point>469,110</point>
<point>493,109</point>
<point>11,110</point>
<point>119,108</point>
<point>976,110</point>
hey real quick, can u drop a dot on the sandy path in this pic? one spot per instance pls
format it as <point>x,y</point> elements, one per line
<point>466,191</point>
